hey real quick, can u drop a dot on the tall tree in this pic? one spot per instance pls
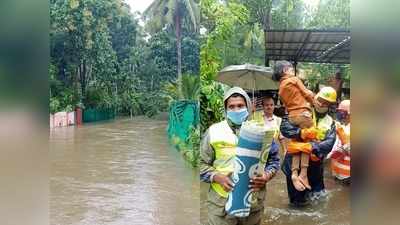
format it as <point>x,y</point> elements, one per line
<point>163,13</point>
<point>83,48</point>
<point>220,20</point>
<point>278,14</point>
<point>331,14</point>
<point>288,14</point>
<point>260,13</point>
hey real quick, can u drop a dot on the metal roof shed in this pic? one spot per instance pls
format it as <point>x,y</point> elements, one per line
<point>316,46</point>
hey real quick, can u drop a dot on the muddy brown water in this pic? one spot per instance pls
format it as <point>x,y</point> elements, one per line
<point>124,172</point>
<point>334,209</point>
<point>120,172</point>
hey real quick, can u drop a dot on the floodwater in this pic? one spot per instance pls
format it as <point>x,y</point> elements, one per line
<point>124,172</point>
<point>334,209</point>
<point>120,172</point>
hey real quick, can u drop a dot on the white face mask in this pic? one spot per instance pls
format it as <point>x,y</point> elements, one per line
<point>321,109</point>
<point>238,117</point>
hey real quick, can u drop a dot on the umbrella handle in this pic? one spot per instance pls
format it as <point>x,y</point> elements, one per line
<point>254,102</point>
<point>254,107</point>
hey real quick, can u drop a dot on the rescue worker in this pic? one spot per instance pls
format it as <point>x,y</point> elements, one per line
<point>318,149</point>
<point>217,157</point>
<point>340,154</point>
<point>271,121</point>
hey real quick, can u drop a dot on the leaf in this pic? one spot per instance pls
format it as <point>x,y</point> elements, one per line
<point>73,4</point>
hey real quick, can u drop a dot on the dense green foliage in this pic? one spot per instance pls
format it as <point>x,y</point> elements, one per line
<point>234,34</point>
<point>192,152</point>
<point>102,58</point>
<point>178,23</point>
<point>219,22</point>
<point>179,15</point>
<point>190,88</point>
<point>330,14</point>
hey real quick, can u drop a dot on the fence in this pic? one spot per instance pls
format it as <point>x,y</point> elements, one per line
<point>182,116</point>
<point>93,115</point>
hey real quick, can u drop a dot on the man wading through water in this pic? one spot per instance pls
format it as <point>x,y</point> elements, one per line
<point>217,159</point>
<point>318,148</point>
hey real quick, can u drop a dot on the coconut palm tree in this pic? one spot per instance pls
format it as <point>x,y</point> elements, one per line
<point>163,13</point>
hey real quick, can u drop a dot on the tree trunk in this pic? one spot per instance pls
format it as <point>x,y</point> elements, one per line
<point>151,83</point>
<point>61,68</point>
<point>115,99</point>
<point>178,48</point>
<point>75,85</point>
<point>82,75</point>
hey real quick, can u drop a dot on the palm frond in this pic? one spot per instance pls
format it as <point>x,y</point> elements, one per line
<point>190,86</point>
<point>153,7</point>
<point>161,13</point>
<point>172,7</point>
<point>193,11</point>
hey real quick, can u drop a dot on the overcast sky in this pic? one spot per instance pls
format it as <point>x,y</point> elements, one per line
<point>138,5</point>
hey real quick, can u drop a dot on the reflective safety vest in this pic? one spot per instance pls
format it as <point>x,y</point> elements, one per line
<point>341,166</point>
<point>340,161</point>
<point>224,143</point>
<point>323,126</point>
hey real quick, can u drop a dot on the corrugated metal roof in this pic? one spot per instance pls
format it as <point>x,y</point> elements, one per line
<point>319,46</point>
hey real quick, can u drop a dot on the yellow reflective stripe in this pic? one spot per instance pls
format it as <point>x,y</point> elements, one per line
<point>219,189</point>
<point>223,150</point>
<point>224,144</point>
<point>258,116</point>
<point>314,118</point>
<point>276,134</point>
<point>224,166</point>
<point>225,153</point>
<point>324,125</point>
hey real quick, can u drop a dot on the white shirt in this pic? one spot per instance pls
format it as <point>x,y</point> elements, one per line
<point>271,121</point>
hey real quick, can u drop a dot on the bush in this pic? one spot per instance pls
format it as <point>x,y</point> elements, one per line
<point>189,148</point>
<point>54,105</point>
<point>63,102</point>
